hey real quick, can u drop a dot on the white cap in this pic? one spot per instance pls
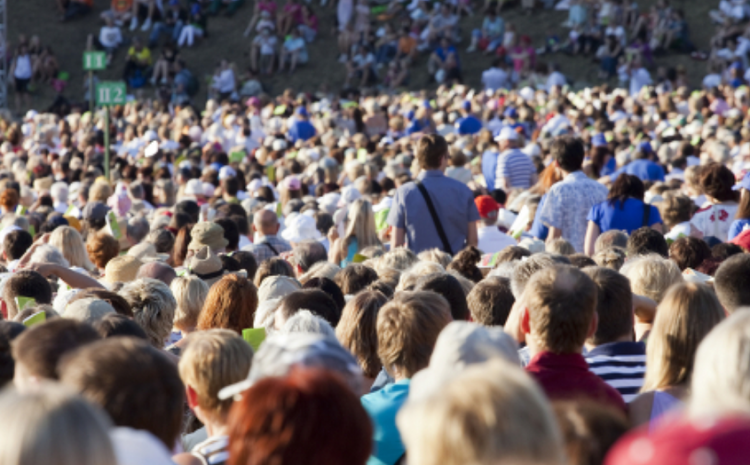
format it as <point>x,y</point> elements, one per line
<point>194,187</point>
<point>278,145</point>
<point>349,195</point>
<point>151,135</point>
<point>226,172</point>
<point>507,134</point>
<point>301,228</point>
<point>152,149</point>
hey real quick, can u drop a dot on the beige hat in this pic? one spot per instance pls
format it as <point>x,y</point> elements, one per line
<point>275,287</point>
<point>88,310</point>
<point>146,252</point>
<point>43,184</point>
<point>122,269</point>
<point>210,234</point>
<point>206,265</point>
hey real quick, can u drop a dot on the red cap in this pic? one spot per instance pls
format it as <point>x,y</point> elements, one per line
<point>487,206</point>
<point>742,239</point>
<point>723,441</point>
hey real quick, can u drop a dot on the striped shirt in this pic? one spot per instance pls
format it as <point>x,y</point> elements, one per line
<point>516,168</point>
<point>622,365</point>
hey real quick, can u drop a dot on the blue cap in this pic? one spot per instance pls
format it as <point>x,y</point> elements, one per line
<point>599,140</point>
<point>195,9</point>
<point>302,111</point>
<point>466,105</point>
<point>744,184</point>
<point>427,104</point>
<point>645,147</point>
<point>510,112</point>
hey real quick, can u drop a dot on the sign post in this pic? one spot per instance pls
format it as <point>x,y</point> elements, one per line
<point>93,61</point>
<point>109,93</point>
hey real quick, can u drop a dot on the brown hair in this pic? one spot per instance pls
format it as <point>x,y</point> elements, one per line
<point>355,278</point>
<point>589,429</point>
<point>510,254</point>
<point>561,301</point>
<point>40,348</point>
<point>357,330</point>
<point>717,181</point>
<point>9,199</point>
<point>273,267</point>
<point>408,327</point>
<point>26,283</point>
<point>430,151</point>
<point>180,249</point>
<point>135,383</point>
<point>102,248</point>
<point>689,252</point>
<point>117,301</point>
<point>490,301</point>
<point>230,304</point>
<point>614,305</point>
<point>676,209</point>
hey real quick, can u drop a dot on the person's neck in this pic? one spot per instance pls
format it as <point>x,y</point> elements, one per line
<point>215,428</point>
<point>624,338</point>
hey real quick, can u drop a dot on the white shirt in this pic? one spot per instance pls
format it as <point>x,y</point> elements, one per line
<point>491,240</point>
<point>556,78</point>
<point>224,83</point>
<point>714,80</point>
<point>494,79</point>
<point>110,37</point>
<point>639,78</point>
<point>23,67</point>
<point>267,44</point>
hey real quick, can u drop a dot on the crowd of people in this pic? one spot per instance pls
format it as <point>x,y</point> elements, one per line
<point>519,274</point>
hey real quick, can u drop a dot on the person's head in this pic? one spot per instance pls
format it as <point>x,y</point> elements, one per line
<point>676,209</point>
<point>559,310</point>
<point>38,350</point>
<point>134,382</point>
<point>231,233</point>
<point>247,262</point>
<point>9,331</point>
<point>432,152</point>
<point>527,268</point>
<point>717,181</point>
<point>101,248</point>
<point>490,413</point>
<point>313,300</point>
<point>568,153</point>
<point>559,246</point>
<point>52,425</point>
<point>450,288</point>
<point>730,282</point>
<point>689,252</point>
<point>360,224</point>
<point>357,331</point>
<point>614,306</point>
<point>137,229</point>
<point>118,303</point>
<point>721,376</point>
<point>15,244</point>
<point>589,429</point>
<point>490,301</point>
<point>190,293</point>
<point>626,186</point>
<point>355,278</point>
<point>278,420</point>
<point>70,243</point>
<point>651,275</point>
<point>275,266</point>
<point>162,239</point>
<point>688,312</point>
<point>153,308</point>
<point>230,304</point>
<point>157,270</point>
<point>645,240</point>
<point>306,254</point>
<point>213,360</point>
<point>407,329</point>
<point>266,222</point>
<point>118,325</point>
<point>611,238</point>
<point>25,283</point>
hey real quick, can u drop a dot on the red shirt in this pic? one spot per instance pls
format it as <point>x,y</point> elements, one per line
<point>567,376</point>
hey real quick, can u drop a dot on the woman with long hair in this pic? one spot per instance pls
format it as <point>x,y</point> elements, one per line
<point>624,210</point>
<point>684,317</point>
<point>360,233</point>
<point>70,243</point>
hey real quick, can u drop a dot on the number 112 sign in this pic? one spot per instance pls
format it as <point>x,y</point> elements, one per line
<point>111,93</point>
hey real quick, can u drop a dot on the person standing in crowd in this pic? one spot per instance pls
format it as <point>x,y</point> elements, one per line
<point>267,245</point>
<point>568,202</point>
<point>436,211</point>
<point>491,240</point>
<point>511,168</point>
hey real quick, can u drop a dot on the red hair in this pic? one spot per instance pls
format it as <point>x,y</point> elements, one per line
<point>308,416</point>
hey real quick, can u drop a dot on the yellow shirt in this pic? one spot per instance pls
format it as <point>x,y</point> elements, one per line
<point>144,56</point>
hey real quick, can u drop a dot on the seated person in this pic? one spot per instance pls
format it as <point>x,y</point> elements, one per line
<point>138,59</point>
<point>361,66</point>
<point>293,52</point>
<point>120,11</point>
<point>110,37</point>
<point>263,51</point>
<point>444,64</point>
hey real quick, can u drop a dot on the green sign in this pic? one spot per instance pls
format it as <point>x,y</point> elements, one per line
<point>94,61</point>
<point>111,93</point>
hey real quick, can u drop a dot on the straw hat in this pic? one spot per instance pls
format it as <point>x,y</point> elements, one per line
<point>146,252</point>
<point>210,234</point>
<point>122,269</point>
<point>206,265</point>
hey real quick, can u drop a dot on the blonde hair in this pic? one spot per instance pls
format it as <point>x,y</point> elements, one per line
<point>683,318</point>
<point>100,191</point>
<point>435,256</point>
<point>399,259</point>
<point>70,243</point>
<point>190,293</point>
<point>560,246</point>
<point>651,275</point>
<point>53,426</point>
<point>721,384</point>
<point>361,226</point>
<point>410,277</point>
<point>490,413</point>
<point>322,269</point>
<point>213,360</point>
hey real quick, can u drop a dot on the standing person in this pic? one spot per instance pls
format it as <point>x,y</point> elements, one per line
<point>742,217</point>
<point>491,240</point>
<point>360,233</point>
<point>21,70</point>
<point>568,202</point>
<point>436,211</point>
<point>468,124</point>
<point>715,218</point>
<point>624,210</point>
<point>267,245</point>
<point>513,168</point>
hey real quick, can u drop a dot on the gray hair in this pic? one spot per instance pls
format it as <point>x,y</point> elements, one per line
<point>162,239</point>
<point>136,191</point>
<point>59,192</point>
<point>153,308</point>
<point>138,228</point>
<point>305,321</point>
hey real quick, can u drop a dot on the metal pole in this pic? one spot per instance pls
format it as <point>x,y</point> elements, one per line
<point>106,142</point>
<point>91,92</point>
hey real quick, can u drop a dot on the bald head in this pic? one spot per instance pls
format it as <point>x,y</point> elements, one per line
<point>157,270</point>
<point>266,222</point>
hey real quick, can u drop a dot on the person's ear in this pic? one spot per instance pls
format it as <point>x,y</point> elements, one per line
<point>525,321</point>
<point>253,228</point>
<point>192,397</point>
<point>299,270</point>
<point>593,326</point>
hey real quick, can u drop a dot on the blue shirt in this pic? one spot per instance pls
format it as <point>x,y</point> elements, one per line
<point>608,167</point>
<point>736,227</point>
<point>382,406</point>
<point>454,204</point>
<point>646,170</point>
<point>468,125</point>
<point>627,217</point>
<point>538,229</point>
<point>301,129</point>
<point>443,54</point>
